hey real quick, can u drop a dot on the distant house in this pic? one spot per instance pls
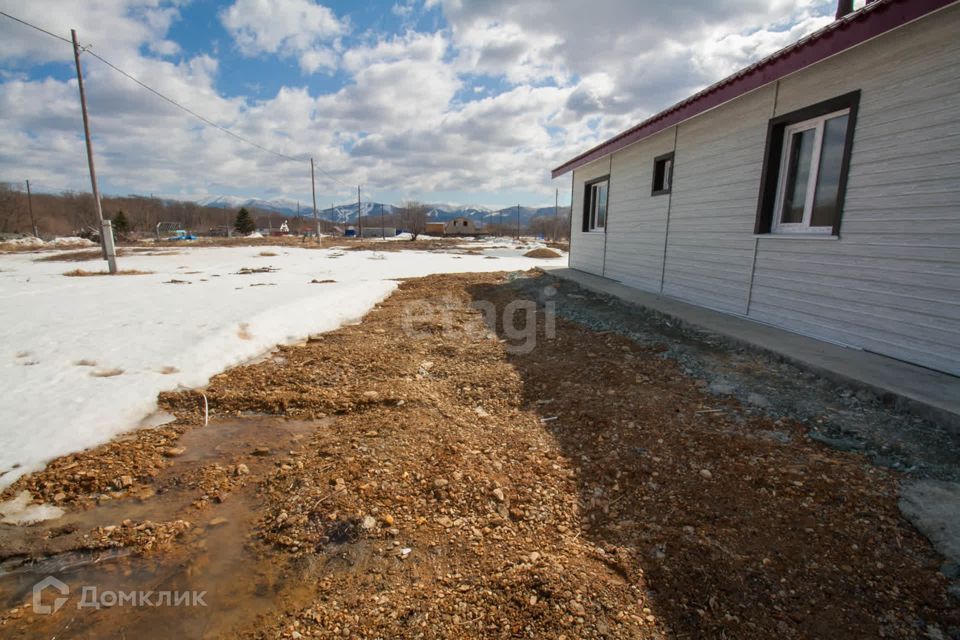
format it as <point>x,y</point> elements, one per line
<point>460,226</point>
<point>817,190</point>
<point>456,227</point>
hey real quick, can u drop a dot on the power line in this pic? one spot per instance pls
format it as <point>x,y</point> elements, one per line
<point>33,26</point>
<point>193,113</point>
<point>190,111</point>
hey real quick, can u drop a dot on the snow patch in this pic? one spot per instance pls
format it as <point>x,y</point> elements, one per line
<point>21,510</point>
<point>164,336</point>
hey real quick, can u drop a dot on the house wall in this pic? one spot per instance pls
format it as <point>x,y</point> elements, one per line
<point>587,248</point>
<point>635,236</point>
<point>718,162</point>
<point>890,283</point>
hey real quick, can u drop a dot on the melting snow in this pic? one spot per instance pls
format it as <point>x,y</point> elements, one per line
<point>82,359</point>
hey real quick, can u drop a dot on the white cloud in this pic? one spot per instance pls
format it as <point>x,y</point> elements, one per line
<point>622,60</point>
<point>404,10</point>
<point>486,104</point>
<point>289,28</point>
<point>118,27</point>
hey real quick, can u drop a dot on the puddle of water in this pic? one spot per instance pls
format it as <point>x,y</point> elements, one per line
<point>239,580</point>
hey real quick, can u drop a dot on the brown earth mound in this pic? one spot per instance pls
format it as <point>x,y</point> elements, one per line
<point>541,253</point>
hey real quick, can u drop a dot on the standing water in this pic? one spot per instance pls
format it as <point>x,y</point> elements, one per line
<point>213,581</point>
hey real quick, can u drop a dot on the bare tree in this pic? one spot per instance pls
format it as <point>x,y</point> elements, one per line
<point>82,213</point>
<point>10,209</point>
<point>413,218</point>
<point>550,226</point>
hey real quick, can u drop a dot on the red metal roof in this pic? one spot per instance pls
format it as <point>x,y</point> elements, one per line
<point>868,22</point>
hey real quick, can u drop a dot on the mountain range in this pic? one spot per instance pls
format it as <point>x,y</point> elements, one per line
<point>347,213</point>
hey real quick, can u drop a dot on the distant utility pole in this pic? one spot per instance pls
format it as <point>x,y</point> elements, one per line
<point>33,223</point>
<point>359,214</point>
<point>518,222</point>
<point>313,187</point>
<point>383,230</point>
<point>106,229</point>
<point>500,223</point>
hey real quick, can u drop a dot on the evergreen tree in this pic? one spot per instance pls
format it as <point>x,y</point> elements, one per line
<point>120,223</point>
<point>244,223</point>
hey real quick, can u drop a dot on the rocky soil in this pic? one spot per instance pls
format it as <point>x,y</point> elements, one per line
<point>457,483</point>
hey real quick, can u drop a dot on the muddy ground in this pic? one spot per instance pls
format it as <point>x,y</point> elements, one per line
<point>422,474</point>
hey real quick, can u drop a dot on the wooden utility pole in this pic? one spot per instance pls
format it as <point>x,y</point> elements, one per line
<point>383,230</point>
<point>106,229</point>
<point>313,187</point>
<point>518,222</point>
<point>33,223</point>
<point>359,214</point>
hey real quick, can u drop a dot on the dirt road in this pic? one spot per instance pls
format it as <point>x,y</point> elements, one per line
<point>464,482</point>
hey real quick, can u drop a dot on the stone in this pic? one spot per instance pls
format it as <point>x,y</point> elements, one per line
<point>933,506</point>
<point>369,522</point>
<point>934,632</point>
<point>173,452</point>
<point>951,570</point>
<point>721,388</point>
<point>216,522</point>
<point>242,469</point>
<point>705,474</point>
<point>261,451</point>
<point>758,400</point>
<point>440,483</point>
<point>576,608</point>
<point>388,520</point>
<point>445,522</point>
<point>498,494</point>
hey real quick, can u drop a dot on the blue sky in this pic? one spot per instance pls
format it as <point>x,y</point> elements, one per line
<point>467,102</point>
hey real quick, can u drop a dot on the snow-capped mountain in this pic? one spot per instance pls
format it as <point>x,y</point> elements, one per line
<point>347,213</point>
<point>280,205</point>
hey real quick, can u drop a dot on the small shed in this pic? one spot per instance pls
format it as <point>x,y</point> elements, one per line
<point>378,232</point>
<point>436,228</point>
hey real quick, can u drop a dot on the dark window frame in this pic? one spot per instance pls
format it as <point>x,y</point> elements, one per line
<point>668,179</point>
<point>587,188</point>
<point>773,152</point>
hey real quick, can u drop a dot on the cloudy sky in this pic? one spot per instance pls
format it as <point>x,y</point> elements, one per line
<point>461,101</point>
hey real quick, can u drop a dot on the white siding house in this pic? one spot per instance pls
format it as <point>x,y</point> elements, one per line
<point>817,190</point>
